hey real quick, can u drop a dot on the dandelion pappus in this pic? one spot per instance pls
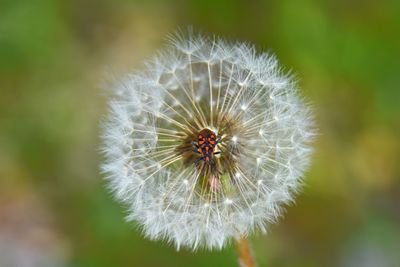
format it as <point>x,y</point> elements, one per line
<point>207,140</point>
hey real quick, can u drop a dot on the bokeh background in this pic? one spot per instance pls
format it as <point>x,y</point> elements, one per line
<point>55,56</point>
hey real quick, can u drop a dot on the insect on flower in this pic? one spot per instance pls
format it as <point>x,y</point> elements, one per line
<point>207,144</point>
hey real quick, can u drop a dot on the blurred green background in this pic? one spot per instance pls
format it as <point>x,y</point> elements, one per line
<point>56,55</point>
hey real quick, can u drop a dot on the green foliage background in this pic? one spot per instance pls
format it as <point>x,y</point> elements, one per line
<point>55,55</point>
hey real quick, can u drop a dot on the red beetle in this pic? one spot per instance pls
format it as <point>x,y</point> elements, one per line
<point>205,146</point>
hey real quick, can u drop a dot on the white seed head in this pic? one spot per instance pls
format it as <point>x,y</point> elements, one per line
<point>154,162</point>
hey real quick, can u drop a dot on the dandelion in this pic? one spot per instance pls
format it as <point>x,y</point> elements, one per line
<point>207,144</point>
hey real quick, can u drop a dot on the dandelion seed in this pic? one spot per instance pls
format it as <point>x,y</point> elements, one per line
<point>207,144</point>
<point>228,201</point>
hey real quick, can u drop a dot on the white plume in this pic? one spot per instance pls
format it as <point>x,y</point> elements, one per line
<point>197,83</point>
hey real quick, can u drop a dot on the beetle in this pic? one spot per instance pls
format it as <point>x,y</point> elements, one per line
<point>207,140</point>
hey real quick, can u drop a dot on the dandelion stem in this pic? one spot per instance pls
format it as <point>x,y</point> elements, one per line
<point>244,253</point>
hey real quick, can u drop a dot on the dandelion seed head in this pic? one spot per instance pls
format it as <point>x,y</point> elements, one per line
<point>200,191</point>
